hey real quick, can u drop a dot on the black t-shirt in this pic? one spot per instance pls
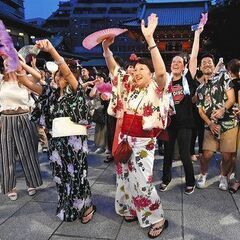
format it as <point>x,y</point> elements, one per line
<point>236,87</point>
<point>183,104</point>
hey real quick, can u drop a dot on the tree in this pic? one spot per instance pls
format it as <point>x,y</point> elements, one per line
<point>222,30</point>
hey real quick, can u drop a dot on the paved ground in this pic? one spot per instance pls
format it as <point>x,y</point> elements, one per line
<point>208,214</point>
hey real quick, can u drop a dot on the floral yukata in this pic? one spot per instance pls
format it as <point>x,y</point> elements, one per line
<point>136,194</point>
<point>67,154</point>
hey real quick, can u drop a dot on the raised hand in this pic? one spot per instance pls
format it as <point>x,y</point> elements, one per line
<point>44,45</point>
<point>106,43</point>
<point>151,26</point>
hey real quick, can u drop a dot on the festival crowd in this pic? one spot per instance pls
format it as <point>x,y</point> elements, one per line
<point>134,106</point>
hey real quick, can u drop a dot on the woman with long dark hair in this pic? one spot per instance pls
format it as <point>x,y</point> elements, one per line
<point>66,115</point>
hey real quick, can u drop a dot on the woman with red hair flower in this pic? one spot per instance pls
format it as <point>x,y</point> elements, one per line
<point>140,98</point>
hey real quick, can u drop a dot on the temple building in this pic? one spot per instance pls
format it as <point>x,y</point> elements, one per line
<point>22,33</point>
<point>175,18</point>
<point>76,19</point>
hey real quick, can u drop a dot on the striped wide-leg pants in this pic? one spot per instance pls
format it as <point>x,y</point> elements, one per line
<point>18,135</point>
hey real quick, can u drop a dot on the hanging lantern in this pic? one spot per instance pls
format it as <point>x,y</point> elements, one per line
<point>186,45</point>
<point>162,46</point>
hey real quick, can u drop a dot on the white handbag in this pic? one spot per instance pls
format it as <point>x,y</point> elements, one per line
<point>64,127</point>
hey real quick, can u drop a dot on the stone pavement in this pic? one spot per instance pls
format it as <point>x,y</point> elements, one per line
<point>208,214</point>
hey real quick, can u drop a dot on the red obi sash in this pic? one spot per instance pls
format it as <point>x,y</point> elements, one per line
<point>136,130</point>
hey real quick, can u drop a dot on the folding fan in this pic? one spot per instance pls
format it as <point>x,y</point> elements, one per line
<point>7,50</point>
<point>104,87</point>
<point>202,22</point>
<point>95,38</point>
<point>51,66</point>
<point>28,51</point>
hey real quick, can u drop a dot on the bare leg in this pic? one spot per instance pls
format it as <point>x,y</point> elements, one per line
<point>204,161</point>
<point>227,163</point>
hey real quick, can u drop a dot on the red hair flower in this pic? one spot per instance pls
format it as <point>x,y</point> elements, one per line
<point>133,57</point>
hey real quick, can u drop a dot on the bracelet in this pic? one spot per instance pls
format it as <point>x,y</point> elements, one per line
<point>21,74</point>
<point>60,61</point>
<point>108,54</point>
<point>150,48</point>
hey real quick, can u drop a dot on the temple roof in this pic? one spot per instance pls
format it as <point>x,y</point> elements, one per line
<point>171,13</point>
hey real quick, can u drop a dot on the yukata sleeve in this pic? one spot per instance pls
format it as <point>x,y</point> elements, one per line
<point>77,108</point>
<point>40,114</point>
<point>120,88</point>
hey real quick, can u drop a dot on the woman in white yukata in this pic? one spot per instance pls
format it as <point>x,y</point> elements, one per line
<point>147,95</point>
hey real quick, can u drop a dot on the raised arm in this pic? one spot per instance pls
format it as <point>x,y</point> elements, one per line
<point>46,46</point>
<point>23,79</point>
<point>194,53</point>
<point>110,61</point>
<point>35,74</point>
<point>158,64</point>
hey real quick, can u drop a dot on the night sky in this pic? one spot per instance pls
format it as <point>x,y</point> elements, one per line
<point>40,8</point>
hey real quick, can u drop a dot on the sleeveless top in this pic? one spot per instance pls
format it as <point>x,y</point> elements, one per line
<point>13,96</point>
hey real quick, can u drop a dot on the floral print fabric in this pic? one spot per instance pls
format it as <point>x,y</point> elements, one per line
<point>136,194</point>
<point>212,96</point>
<point>51,105</point>
<point>155,107</point>
<point>67,154</point>
<point>68,158</point>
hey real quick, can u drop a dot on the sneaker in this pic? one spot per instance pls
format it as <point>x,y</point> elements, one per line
<point>99,151</point>
<point>189,190</point>
<point>163,187</point>
<point>201,182</point>
<point>223,185</point>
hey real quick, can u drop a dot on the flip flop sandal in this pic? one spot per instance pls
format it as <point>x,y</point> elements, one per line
<point>153,229</point>
<point>12,196</point>
<point>89,214</point>
<point>133,219</point>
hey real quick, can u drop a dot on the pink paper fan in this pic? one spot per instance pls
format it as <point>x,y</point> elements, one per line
<point>7,50</point>
<point>95,38</point>
<point>204,19</point>
<point>104,87</point>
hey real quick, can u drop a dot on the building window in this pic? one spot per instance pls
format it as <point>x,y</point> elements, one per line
<point>18,41</point>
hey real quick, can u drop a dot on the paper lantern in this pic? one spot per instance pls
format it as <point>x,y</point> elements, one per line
<point>186,45</point>
<point>162,46</point>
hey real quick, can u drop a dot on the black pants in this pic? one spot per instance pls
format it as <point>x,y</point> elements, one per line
<point>111,126</point>
<point>183,137</point>
<point>197,132</point>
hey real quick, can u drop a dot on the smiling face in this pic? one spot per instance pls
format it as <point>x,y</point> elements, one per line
<point>177,66</point>
<point>142,75</point>
<point>207,66</point>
